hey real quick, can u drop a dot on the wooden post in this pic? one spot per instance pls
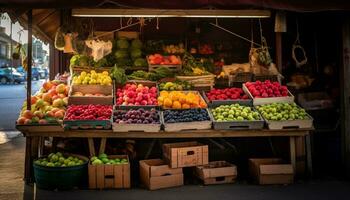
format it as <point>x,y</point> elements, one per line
<point>278,39</point>
<point>29,59</point>
<point>345,98</point>
<point>280,27</point>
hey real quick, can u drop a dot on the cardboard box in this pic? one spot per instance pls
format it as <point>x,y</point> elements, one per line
<point>217,172</point>
<point>270,171</point>
<point>156,174</point>
<point>110,176</point>
<point>185,154</point>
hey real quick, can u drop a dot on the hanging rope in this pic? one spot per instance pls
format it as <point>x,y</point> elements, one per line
<point>235,34</point>
<point>296,46</point>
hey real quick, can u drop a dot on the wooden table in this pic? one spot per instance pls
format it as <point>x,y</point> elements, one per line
<point>35,139</point>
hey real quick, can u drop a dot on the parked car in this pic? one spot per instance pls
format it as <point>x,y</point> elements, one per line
<point>43,73</point>
<point>10,75</point>
<point>35,72</point>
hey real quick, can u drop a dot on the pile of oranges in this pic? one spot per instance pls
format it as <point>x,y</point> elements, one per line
<point>180,100</point>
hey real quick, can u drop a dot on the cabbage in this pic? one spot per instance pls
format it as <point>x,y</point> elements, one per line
<point>136,53</point>
<point>121,54</point>
<point>122,44</point>
<point>140,62</point>
<point>136,44</point>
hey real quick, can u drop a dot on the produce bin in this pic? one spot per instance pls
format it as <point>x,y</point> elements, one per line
<point>217,172</point>
<point>185,154</point>
<point>105,176</point>
<point>214,103</point>
<point>137,127</point>
<point>268,100</point>
<point>267,171</point>
<point>91,89</point>
<point>61,178</point>
<point>155,174</point>
<point>237,125</point>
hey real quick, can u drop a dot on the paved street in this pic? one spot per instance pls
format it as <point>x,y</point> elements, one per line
<point>11,100</point>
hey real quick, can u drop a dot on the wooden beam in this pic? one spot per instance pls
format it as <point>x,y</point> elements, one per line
<point>279,51</point>
<point>345,100</point>
<point>29,59</point>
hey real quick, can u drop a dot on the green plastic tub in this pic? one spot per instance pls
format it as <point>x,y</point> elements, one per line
<point>62,178</point>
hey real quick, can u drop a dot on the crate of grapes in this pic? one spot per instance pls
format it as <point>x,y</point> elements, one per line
<point>136,120</point>
<point>236,117</point>
<point>186,120</point>
<point>280,116</point>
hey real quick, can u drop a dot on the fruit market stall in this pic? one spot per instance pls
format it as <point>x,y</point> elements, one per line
<point>129,87</point>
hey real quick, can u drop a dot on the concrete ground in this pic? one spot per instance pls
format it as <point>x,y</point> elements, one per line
<point>12,186</point>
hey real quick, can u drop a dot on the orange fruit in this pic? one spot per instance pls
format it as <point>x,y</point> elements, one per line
<point>182,99</point>
<point>176,105</point>
<point>186,106</point>
<point>164,93</point>
<point>202,104</point>
<point>167,102</point>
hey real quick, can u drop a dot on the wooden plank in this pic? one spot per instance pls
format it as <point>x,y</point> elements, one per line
<point>91,147</point>
<point>28,161</point>
<point>292,152</point>
<point>102,145</point>
<point>183,134</point>
<point>100,176</point>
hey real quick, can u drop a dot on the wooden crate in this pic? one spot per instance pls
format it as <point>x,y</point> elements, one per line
<point>156,174</point>
<point>128,34</point>
<point>185,154</point>
<point>290,124</point>
<point>91,89</point>
<point>269,100</point>
<point>175,68</point>
<point>199,81</point>
<point>185,92</point>
<point>217,172</point>
<point>237,125</point>
<point>186,126</point>
<point>144,83</point>
<point>110,176</point>
<point>87,124</point>
<point>215,103</point>
<point>137,127</point>
<point>79,69</point>
<point>265,171</point>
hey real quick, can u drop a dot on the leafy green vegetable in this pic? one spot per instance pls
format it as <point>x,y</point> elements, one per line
<point>118,74</point>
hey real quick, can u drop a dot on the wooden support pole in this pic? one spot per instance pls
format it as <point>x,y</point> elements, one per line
<point>279,51</point>
<point>29,59</point>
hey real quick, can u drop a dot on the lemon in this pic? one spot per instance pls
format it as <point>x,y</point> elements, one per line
<point>92,81</point>
<point>105,73</point>
<point>93,72</point>
<point>83,74</point>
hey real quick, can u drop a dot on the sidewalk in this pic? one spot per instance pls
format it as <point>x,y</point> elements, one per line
<point>12,186</point>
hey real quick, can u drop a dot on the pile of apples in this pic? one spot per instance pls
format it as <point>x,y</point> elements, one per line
<point>89,112</point>
<point>206,49</point>
<point>47,106</point>
<point>266,89</point>
<point>80,94</point>
<point>136,95</point>
<point>226,94</point>
<point>158,59</point>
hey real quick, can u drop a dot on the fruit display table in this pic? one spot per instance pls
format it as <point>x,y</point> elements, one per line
<point>35,139</point>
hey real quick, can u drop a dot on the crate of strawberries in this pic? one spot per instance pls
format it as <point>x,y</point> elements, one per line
<point>267,92</point>
<point>140,120</point>
<point>88,117</point>
<point>227,96</point>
